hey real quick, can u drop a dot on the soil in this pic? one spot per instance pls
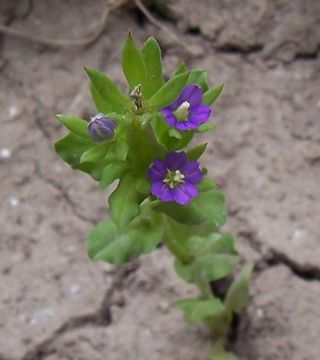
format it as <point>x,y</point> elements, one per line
<point>265,154</point>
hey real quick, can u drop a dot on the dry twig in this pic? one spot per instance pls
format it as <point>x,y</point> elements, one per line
<point>159,25</point>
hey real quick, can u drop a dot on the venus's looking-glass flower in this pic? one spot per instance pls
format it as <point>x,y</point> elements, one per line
<point>187,112</point>
<point>174,178</point>
<point>101,128</point>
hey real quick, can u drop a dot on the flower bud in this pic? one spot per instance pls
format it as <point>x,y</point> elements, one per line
<point>101,128</point>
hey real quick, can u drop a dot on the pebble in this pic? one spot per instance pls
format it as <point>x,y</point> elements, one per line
<point>12,111</point>
<point>5,153</point>
<point>41,314</point>
<point>297,234</point>
<point>260,313</point>
<point>13,201</point>
<point>74,289</point>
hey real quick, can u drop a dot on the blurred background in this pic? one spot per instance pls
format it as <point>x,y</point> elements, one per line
<point>265,154</point>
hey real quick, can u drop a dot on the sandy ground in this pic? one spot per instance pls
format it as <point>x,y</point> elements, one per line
<point>265,154</point>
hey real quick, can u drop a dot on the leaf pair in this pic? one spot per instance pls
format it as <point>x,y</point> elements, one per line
<point>215,311</point>
<point>143,67</point>
<point>214,257</point>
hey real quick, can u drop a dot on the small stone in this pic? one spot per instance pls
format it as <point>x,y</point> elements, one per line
<point>5,153</point>
<point>13,201</point>
<point>74,289</point>
<point>260,313</point>
<point>12,112</point>
<point>41,314</point>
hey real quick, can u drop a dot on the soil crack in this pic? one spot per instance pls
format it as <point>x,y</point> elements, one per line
<point>66,197</point>
<point>100,317</point>
<point>306,272</point>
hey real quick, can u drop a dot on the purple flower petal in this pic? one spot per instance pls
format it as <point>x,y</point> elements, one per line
<point>157,170</point>
<point>194,177</point>
<point>167,194</point>
<point>200,114</point>
<point>175,160</point>
<point>189,189</point>
<point>192,94</point>
<point>192,172</point>
<point>157,188</point>
<point>180,196</point>
<point>190,166</point>
<point>169,117</point>
<point>185,125</point>
<point>162,191</point>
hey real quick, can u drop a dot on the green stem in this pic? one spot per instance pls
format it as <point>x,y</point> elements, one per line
<point>219,324</point>
<point>176,249</point>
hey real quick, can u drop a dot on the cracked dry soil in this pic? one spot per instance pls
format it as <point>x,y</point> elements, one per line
<point>265,154</point>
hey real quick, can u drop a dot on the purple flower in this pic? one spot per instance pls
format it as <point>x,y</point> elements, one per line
<point>174,178</point>
<point>187,112</point>
<point>101,128</point>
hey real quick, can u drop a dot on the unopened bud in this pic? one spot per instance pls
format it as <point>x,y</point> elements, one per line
<point>101,128</point>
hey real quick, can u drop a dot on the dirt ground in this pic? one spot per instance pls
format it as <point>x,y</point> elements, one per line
<point>54,303</point>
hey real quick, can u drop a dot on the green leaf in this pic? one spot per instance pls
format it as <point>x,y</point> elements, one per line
<point>196,152</point>
<point>206,184</point>
<point>185,271</point>
<point>101,105</point>
<point>215,266</point>
<point>199,77</point>
<point>209,207</point>
<point>109,92</point>
<point>140,237</point>
<point>214,257</point>
<point>94,169</point>
<point>213,243</point>
<point>121,149</point>
<point>169,91</point>
<point>195,310</point>
<point>71,147</point>
<point>175,133</point>
<point>151,54</point>
<point>211,95</point>
<point>133,65</point>
<point>181,68</point>
<point>238,293</point>
<point>74,124</point>
<point>168,137</point>
<point>205,127</point>
<point>100,236</point>
<point>221,243</point>
<point>176,238</point>
<point>95,153</point>
<point>143,186</point>
<point>112,172</point>
<point>124,201</point>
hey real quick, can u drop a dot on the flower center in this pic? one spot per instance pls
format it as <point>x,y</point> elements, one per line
<point>173,178</point>
<point>182,111</point>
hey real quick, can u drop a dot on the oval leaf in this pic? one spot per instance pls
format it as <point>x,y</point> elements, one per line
<point>238,293</point>
<point>108,91</point>
<point>74,124</point>
<point>124,201</point>
<point>169,91</point>
<point>132,63</point>
<point>151,54</point>
<point>195,310</point>
<point>211,95</point>
<point>196,152</point>
<point>140,237</point>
